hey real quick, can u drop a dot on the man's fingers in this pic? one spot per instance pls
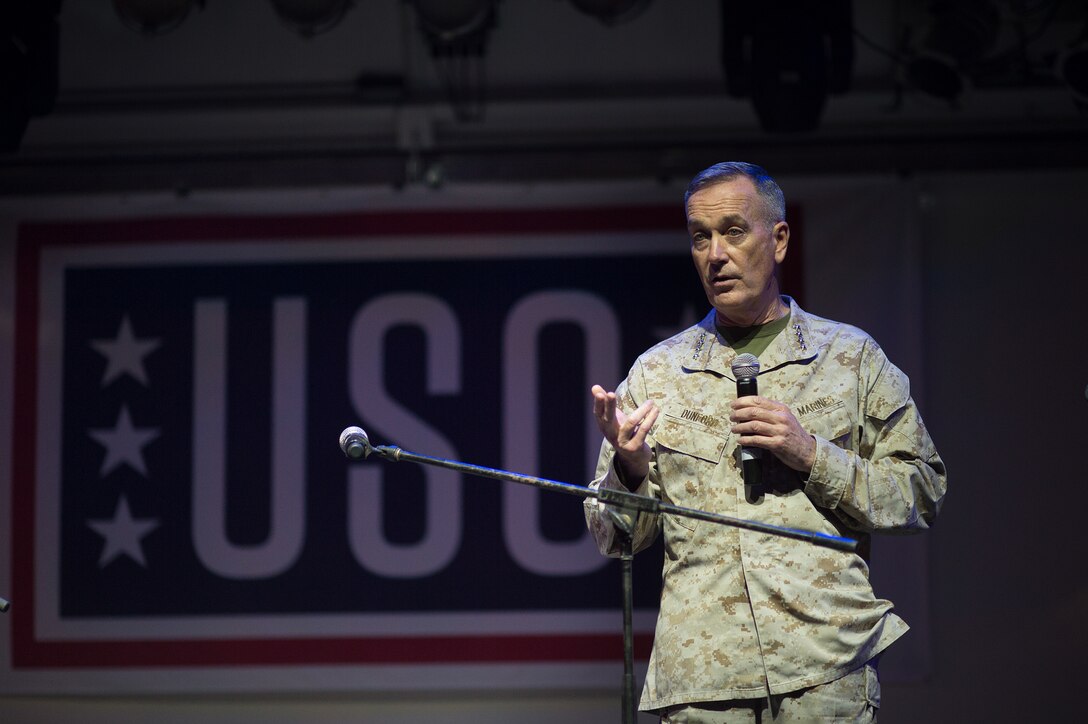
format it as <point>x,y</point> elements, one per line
<point>623,431</point>
<point>643,410</point>
<point>757,420</point>
<point>608,407</point>
<point>645,424</point>
<point>753,429</point>
<point>752,402</point>
<point>639,415</point>
<point>638,424</point>
<point>746,409</point>
<point>604,403</point>
<point>609,420</point>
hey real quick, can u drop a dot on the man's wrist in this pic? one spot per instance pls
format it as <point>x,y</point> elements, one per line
<point>629,473</point>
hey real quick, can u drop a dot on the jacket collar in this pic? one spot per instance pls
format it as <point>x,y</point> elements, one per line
<point>710,352</point>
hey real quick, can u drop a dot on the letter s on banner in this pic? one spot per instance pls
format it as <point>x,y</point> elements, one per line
<point>366,371</point>
<point>521,415</point>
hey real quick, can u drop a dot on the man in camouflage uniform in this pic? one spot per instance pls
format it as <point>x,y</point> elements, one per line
<point>754,627</point>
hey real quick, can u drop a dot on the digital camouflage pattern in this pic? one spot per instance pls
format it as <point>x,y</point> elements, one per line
<point>744,613</point>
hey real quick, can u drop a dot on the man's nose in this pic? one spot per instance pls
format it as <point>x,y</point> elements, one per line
<point>718,252</point>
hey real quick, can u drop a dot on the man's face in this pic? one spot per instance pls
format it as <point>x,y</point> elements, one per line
<point>735,248</point>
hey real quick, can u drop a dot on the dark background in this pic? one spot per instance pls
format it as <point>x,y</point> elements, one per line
<point>234,100</point>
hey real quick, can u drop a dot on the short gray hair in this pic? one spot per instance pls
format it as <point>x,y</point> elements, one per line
<point>774,201</point>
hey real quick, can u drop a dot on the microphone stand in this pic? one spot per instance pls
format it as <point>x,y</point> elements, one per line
<point>624,507</point>
<point>627,556</point>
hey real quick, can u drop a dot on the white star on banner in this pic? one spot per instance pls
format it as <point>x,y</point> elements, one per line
<point>123,534</point>
<point>125,354</point>
<point>687,319</point>
<point>124,444</point>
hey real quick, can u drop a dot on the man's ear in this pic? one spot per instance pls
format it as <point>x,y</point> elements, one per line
<point>781,235</point>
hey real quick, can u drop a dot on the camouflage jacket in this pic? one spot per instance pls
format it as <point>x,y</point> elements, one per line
<point>744,612</point>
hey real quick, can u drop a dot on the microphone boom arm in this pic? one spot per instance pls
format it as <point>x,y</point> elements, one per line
<point>621,499</point>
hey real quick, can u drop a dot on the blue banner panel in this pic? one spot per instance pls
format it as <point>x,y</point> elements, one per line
<point>179,497</point>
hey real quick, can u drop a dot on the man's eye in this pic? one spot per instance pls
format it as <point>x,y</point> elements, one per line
<point>735,231</point>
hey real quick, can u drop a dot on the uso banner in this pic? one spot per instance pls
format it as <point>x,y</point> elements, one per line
<point>182,515</point>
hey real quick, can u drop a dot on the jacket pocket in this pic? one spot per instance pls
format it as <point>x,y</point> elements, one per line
<point>687,454</point>
<point>837,425</point>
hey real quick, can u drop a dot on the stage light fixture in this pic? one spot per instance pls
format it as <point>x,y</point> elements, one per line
<point>1073,69</point>
<point>936,75</point>
<point>612,12</point>
<point>29,67</point>
<point>311,17</point>
<point>1072,63</point>
<point>457,32</point>
<point>959,33</point>
<point>154,17</point>
<point>787,57</point>
<point>446,21</point>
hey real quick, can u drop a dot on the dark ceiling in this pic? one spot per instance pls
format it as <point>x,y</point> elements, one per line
<point>230,94</point>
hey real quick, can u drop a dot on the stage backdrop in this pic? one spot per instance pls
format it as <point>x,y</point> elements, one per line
<point>181,508</point>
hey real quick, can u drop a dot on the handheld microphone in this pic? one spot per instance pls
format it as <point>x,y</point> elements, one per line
<point>745,368</point>
<point>354,442</point>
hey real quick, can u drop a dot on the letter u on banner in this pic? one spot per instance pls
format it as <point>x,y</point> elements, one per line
<point>287,527</point>
<point>521,414</point>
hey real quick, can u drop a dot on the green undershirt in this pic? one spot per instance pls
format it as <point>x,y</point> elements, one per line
<point>753,340</point>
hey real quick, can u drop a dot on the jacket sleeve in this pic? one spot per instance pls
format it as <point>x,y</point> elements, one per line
<point>598,517</point>
<point>891,479</point>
